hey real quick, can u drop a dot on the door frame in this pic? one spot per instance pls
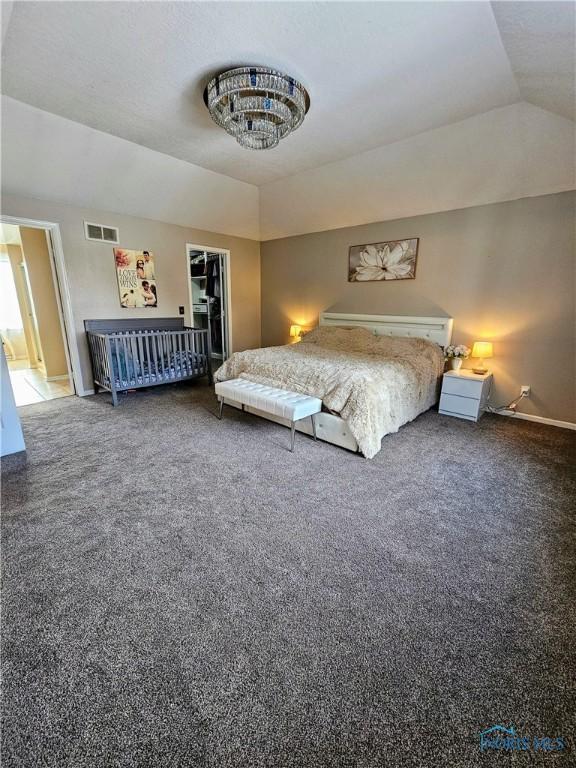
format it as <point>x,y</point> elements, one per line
<point>226,254</point>
<point>61,291</point>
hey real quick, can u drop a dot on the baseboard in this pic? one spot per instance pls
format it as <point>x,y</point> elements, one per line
<point>86,393</point>
<point>57,378</point>
<point>538,419</point>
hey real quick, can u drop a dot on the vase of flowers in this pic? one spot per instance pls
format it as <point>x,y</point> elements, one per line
<point>456,354</point>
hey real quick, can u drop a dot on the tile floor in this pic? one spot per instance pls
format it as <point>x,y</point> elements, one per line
<point>30,386</point>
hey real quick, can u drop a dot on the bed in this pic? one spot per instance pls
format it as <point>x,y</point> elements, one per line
<point>374,373</point>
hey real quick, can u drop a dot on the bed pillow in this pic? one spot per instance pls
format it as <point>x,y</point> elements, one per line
<point>337,337</point>
<point>363,341</point>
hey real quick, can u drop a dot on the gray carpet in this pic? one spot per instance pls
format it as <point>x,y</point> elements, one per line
<point>184,592</point>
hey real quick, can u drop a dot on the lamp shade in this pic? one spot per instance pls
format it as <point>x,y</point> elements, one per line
<point>295,330</point>
<point>482,349</point>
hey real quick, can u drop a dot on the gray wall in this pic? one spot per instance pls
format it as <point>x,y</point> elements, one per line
<point>504,272</point>
<point>91,271</point>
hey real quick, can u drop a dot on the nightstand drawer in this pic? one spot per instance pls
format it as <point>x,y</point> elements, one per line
<point>464,387</point>
<point>466,406</point>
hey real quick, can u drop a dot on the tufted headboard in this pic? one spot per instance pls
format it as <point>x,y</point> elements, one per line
<point>438,329</point>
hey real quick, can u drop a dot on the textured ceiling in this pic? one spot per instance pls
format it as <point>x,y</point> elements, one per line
<point>539,38</point>
<point>377,72</point>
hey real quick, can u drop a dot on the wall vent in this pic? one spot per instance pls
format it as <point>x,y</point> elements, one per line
<point>101,233</point>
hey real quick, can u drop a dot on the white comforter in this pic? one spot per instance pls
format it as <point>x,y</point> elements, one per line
<point>375,383</point>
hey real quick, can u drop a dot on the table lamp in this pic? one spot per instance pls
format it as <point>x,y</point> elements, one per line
<point>482,350</point>
<point>295,331</point>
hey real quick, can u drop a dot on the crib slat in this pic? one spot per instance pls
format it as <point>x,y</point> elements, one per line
<point>194,345</point>
<point>123,362</point>
<point>140,348</point>
<point>98,362</point>
<point>153,355</point>
<point>127,361</point>
<point>193,349</point>
<point>186,340</point>
<point>157,353</point>
<point>154,349</point>
<point>167,345</point>
<point>125,354</point>
<point>180,358</point>
<point>95,352</point>
<point>109,352</point>
<point>116,366</point>
<point>128,357</point>
<point>100,366</point>
<point>134,355</point>
<point>92,349</point>
<point>174,338</point>
<point>146,342</point>
<point>148,352</point>
<point>163,354</point>
<point>172,356</point>
<point>114,360</point>
<point>104,360</point>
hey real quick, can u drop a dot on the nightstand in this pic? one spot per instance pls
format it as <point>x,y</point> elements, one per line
<point>464,394</point>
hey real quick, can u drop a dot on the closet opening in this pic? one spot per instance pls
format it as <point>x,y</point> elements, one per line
<point>209,296</point>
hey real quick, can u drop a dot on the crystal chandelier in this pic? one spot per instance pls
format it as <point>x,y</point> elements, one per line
<point>256,105</point>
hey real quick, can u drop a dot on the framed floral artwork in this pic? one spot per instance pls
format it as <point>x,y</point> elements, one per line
<point>392,260</point>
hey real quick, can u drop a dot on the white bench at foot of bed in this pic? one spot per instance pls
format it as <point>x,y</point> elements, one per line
<point>272,402</point>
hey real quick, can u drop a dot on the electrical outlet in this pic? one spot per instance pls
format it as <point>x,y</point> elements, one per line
<point>525,390</point>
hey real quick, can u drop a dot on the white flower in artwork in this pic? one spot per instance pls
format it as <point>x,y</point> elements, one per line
<point>385,262</point>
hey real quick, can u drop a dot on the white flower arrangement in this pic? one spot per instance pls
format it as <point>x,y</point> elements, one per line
<point>459,350</point>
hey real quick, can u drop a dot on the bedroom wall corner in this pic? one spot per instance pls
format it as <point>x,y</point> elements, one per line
<point>503,271</point>
<point>91,272</point>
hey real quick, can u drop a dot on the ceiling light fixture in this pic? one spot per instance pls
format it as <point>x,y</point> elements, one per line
<point>257,105</point>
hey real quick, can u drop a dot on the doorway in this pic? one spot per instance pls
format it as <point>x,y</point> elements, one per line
<point>209,296</point>
<point>31,321</point>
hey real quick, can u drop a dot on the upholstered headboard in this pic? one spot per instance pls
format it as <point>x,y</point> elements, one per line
<point>438,329</point>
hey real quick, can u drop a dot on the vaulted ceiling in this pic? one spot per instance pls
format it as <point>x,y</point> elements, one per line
<point>377,72</point>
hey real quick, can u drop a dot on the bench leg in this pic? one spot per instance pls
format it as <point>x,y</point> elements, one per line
<point>220,408</point>
<point>313,426</point>
<point>292,433</point>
